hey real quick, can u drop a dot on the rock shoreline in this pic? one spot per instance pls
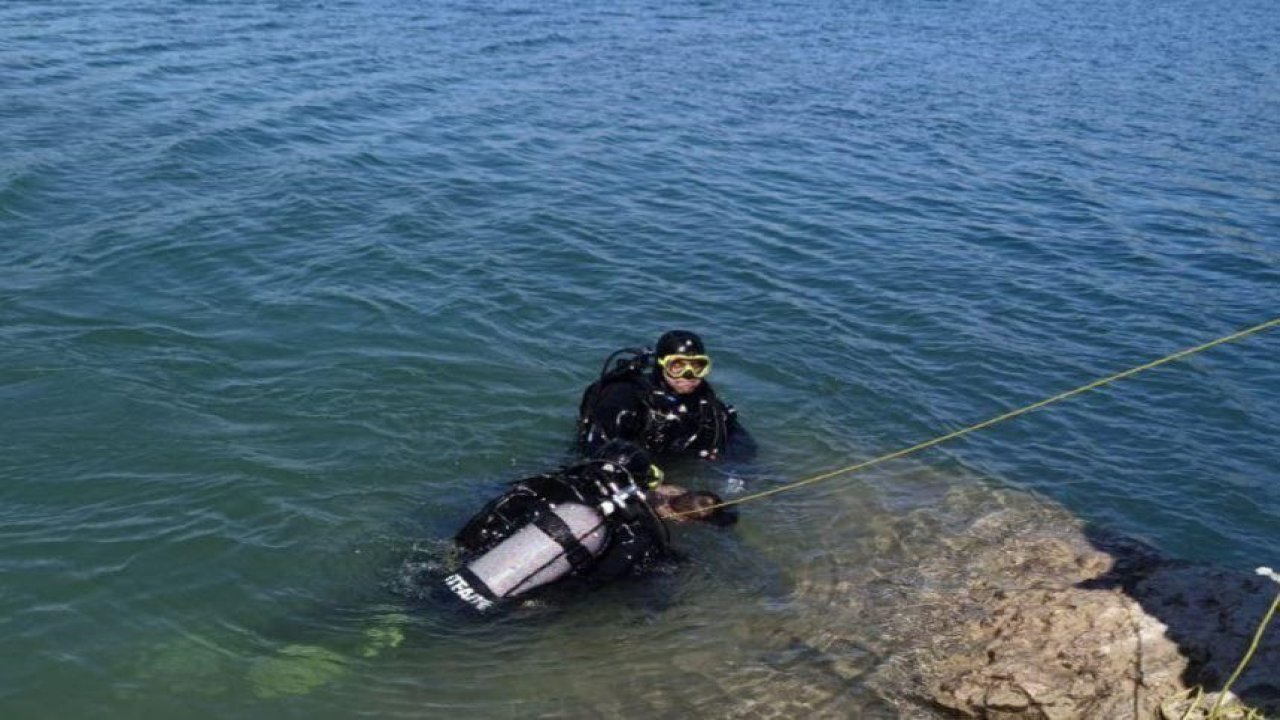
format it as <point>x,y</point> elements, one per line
<point>1066,623</point>
<point>1018,613</point>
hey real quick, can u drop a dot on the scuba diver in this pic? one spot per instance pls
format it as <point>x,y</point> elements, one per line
<point>661,400</point>
<point>594,521</point>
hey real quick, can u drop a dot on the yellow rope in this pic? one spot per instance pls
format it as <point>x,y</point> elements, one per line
<point>1244,661</point>
<point>997,419</point>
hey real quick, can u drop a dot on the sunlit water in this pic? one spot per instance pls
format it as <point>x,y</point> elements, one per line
<point>289,289</point>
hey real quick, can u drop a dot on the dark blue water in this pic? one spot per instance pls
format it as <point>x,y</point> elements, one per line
<point>288,288</point>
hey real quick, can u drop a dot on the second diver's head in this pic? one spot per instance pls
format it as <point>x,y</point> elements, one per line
<point>700,505</point>
<point>682,361</point>
<point>626,463</point>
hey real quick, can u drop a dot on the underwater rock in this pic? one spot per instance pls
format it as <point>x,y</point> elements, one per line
<point>189,665</point>
<point>296,670</point>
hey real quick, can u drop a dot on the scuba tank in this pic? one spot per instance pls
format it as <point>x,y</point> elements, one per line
<point>590,520</point>
<point>565,538</point>
<point>627,364</point>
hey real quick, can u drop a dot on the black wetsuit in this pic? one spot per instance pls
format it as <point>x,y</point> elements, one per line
<point>640,407</point>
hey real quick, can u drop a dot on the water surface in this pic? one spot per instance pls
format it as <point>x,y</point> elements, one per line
<point>290,288</point>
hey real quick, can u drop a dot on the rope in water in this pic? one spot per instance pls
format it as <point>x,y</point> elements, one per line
<point>997,419</point>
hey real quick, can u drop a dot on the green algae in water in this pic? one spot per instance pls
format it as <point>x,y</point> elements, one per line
<point>188,665</point>
<point>296,670</point>
<point>385,635</point>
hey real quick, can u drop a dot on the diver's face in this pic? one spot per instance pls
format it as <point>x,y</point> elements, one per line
<point>684,374</point>
<point>682,386</point>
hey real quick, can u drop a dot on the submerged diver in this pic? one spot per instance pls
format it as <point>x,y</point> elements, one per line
<point>597,520</point>
<point>662,401</point>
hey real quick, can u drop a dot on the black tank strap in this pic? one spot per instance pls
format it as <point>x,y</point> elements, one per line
<point>558,530</point>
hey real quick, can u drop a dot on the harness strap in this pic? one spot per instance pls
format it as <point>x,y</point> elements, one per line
<point>558,530</point>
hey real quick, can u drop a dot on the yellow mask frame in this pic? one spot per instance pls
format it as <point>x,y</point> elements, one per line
<point>685,366</point>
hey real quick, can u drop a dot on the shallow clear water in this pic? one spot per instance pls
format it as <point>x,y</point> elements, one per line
<point>289,288</point>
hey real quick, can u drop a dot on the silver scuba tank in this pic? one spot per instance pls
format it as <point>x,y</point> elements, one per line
<point>569,535</point>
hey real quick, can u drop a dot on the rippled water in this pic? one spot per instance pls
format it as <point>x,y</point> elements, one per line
<point>289,288</point>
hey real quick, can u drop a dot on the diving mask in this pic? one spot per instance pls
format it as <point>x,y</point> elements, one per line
<point>685,366</point>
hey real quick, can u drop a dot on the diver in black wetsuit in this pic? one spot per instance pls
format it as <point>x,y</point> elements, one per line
<point>662,401</point>
<point>595,521</point>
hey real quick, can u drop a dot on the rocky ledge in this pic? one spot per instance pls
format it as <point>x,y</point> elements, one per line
<point>1054,621</point>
